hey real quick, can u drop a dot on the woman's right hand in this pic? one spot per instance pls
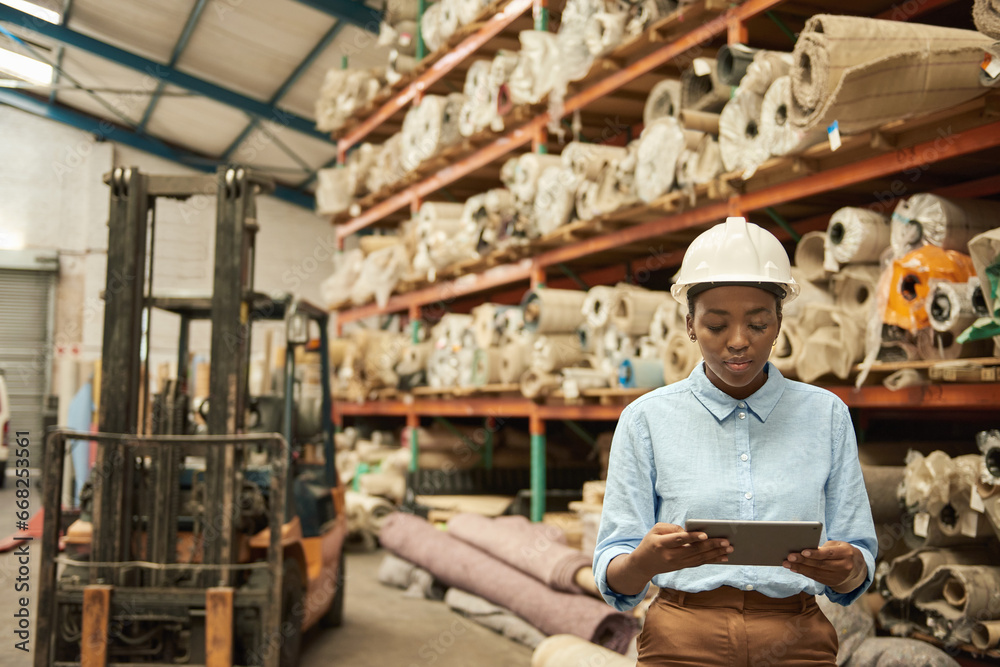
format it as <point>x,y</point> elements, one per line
<point>665,548</point>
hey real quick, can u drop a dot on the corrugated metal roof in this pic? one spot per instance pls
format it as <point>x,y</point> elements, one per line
<point>245,51</point>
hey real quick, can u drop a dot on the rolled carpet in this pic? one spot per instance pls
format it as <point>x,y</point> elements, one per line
<point>864,72</point>
<point>857,235</point>
<point>461,565</point>
<point>701,89</point>
<point>491,616</point>
<point>663,100</point>
<point>740,139</point>
<point>778,133</point>
<point>945,223</point>
<point>701,165</point>
<point>533,548</point>
<point>660,148</point>
<point>986,14</point>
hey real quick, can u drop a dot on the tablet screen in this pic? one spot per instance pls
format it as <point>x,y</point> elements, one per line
<point>761,542</point>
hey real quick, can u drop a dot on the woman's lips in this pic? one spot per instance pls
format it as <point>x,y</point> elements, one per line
<point>738,366</point>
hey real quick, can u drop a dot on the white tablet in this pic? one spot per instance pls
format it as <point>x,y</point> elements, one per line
<point>760,542</point>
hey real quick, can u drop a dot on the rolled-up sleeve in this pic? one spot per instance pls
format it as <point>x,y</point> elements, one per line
<point>848,510</point>
<point>629,502</point>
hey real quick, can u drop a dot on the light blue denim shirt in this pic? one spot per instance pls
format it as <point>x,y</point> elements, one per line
<point>691,451</point>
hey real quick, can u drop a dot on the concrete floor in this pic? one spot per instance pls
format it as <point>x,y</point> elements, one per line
<point>381,627</point>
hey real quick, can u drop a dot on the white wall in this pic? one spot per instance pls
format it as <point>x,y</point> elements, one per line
<point>52,194</point>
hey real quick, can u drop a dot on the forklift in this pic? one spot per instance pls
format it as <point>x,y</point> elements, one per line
<point>206,537</point>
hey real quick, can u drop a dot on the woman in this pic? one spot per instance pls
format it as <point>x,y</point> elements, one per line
<point>734,441</point>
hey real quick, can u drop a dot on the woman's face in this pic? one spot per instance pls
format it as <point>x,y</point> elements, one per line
<point>735,327</point>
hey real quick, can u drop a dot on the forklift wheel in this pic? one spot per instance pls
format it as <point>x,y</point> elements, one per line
<point>334,616</point>
<point>292,593</point>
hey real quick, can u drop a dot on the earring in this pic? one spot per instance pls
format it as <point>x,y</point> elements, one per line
<point>693,338</point>
<point>774,343</point>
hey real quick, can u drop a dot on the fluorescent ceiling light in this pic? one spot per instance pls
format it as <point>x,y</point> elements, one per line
<point>33,9</point>
<point>25,68</point>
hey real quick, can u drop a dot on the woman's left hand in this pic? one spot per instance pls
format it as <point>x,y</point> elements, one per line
<point>836,564</point>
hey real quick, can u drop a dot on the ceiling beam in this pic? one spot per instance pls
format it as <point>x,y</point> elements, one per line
<point>192,20</point>
<point>355,13</point>
<point>163,72</point>
<point>105,130</point>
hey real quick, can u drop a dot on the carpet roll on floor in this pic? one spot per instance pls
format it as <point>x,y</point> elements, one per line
<point>986,14</point>
<point>701,88</point>
<point>857,235</point>
<point>946,223</point>
<point>494,617</point>
<point>564,650</point>
<point>536,549</point>
<point>864,72</point>
<point>660,148</point>
<point>663,100</point>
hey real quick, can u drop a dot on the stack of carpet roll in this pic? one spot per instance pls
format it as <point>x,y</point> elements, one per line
<point>551,320</point>
<point>948,585</point>
<point>387,169</point>
<point>380,273</point>
<point>534,75</point>
<point>615,187</point>
<point>449,363</point>
<point>443,19</point>
<point>335,290</point>
<point>429,128</point>
<point>441,238</point>
<point>521,175</point>
<point>479,108</point>
<point>369,363</point>
<point>340,186</point>
<point>489,218</point>
<point>523,568</point>
<point>344,93</point>
<point>930,288</point>
<point>371,495</point>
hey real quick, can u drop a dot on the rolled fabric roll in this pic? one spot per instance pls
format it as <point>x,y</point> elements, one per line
<point>767,66</point>
<point>809,253</point>
<point>575,380</point>
<point>448,21</point>
<point>732,61</point>
<point>503,66</point>
<point>664,100</point>
<point>986,15</point>
<point>854,288</point>
<point>514,361</point>
<point>660,148</point>
<point>496,618</point>
<point>634,309</point>
<point>604,31</point>
<point>414,358</point>
<point>469,10</point>
<point>597,305</point>
<point>400,10</point>
<point>740,139</point>
<point>335,190</point>
<point>536,384</point>
<point>857,235</point>
<point>645,12</point>
<point>778,133</point>
<point>916,69</point>
<point>946,223</point>
<point>548,310</point>
<point>680,356</point>
<point>554,199</point>
<point>431,27</point>
<point>786,352</point>
<point>701,165</point>
<point>387,168</point>
<point>949,306</point>
<point>702,121</point>
<point>834,345</point>
<point>400,64</point>
<point>587,161</point>
<point>958,594</point>
<point>380,273</point>
<point>562,650</point>
<point>552,352</point>
<point>883,484</point>
<point>534,75</point>
<point>909,572</point>
<point>669,316</point>
<point>701,89</point>
<point>477,111</point>
<point>485,324</point>
<point>524,177</point>
<point>636,373</point>
<point>908,283</point>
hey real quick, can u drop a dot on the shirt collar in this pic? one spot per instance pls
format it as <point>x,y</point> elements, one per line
<point>721,404</point>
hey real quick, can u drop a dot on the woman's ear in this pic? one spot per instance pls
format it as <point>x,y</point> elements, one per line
<point>689,325</point>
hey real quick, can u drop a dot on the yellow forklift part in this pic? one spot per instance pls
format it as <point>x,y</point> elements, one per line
<point>219,627</point>
<point>96,612</point>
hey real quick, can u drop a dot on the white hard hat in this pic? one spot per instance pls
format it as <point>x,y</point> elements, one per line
<point>735,251</point>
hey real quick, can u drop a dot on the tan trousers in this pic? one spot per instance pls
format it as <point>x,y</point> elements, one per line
<point>728,627</point>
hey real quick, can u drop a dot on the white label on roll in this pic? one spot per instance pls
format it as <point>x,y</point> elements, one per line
<point>833,132</point>
<point>920,524</point>
<point>991,65</point>
<point>701,67</point>
<point>970,520</point>
<point>976,501</point>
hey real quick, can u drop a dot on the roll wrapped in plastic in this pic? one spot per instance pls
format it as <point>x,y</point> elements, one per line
<point>663,100</point>
<point>777,131</point>
<point>740,139</point>
<point>946,223</point>
<point>660,148</point>
<point>857,235</point>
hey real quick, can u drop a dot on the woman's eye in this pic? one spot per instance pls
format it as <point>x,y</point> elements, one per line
<point>715,328</point>
<point>759,327</point>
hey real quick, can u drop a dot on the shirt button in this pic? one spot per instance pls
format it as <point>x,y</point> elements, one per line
<point>741,405</point>
<point>749,587</point>
<point>743,457</point>
<point>748,495</point>
<point>742,415</point>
